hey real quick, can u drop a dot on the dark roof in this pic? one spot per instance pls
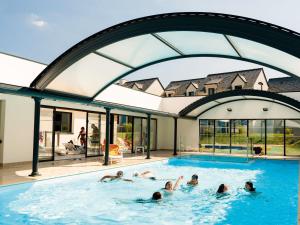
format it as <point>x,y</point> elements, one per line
<point>180,86</point>
<point>224,81</point>
<point>284,84</point>
<point>141,84</point>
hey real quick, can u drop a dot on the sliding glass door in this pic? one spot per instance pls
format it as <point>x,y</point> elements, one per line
<point>45,134</point>
<point>222,136</point>
<point>292,137</point>
<point>206,137</point>
<point>275,137</point>
<point>239,139</point>
<point>93,136</point>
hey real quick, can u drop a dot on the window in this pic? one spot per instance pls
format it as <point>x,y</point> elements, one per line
<point>211,91</point>
<point>238,87</point>
<point>169,95</point>
<point>63,121</point>
<point>191,93</point>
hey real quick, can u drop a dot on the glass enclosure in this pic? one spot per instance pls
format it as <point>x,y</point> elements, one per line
<point>45,134</point>
<point>206,135</point>
<point>93,137</point>
<point>71,134</point>
<point>124,132</point>
<point>275,137</point>
<point>239,137</point>
<point>257,134</point>
<point>222,136</point>
<point>292,134</point>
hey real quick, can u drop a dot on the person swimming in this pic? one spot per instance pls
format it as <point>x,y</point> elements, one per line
<point>222,189</point>
<point>169,185</point>
<point>146,175</point>
<point>118,176</point>
<point>193,181</point>
<point>249,186</point>
<point>156,196</point>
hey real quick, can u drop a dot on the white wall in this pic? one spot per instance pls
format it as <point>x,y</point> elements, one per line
<point>237,82</point>
<point>176,104</point>
<point>18,71</point>
<point>155,88</point>
<point>261,78</point>
<point>18,128</point>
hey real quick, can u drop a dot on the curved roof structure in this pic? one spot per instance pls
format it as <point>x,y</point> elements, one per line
<point>205,104</point>
<point>93,64</point>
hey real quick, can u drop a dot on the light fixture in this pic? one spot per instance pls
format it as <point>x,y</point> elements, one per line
<point>229,109</point>
<point>265,109</point>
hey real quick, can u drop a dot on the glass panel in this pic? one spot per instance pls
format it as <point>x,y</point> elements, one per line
<point>206,135</point>
<point>87,76</point>
<point>263,53</point>
<point>93,142</point>
<point>239,139</point>
<point>137,132</point>
<point>193,42</point>
<point>275,137</point>
<point>292,137</point>
<point>257,135</point>
<point>144,133</point>
<point>103,131</point>
<point>137,51</point>
<point>45,135</point>
<point>153,145</point>
<point>71,144</point>
<point>124,132</point>
<point>222,143</point>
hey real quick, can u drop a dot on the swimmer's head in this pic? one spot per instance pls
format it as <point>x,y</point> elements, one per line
<point>156,196</point>
<point>169,185</point>
<point>195,177</point>
<point>120,173</point>
<point>135,174</point>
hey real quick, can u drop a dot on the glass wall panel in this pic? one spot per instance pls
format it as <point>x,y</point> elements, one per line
<point>70,144</point>
<point>222,136</point>
<point>206,135</point>
<point>124,132</point>
<point>275,137</point>
<point>292,137</point>
<point>153,139</point>
<point>137,132</point>
<point>144,133</point>
<point>93,137</point>
<point>257,134</point>
<point>239,137</point>
<point>103,131</point>
<point>45,135</point>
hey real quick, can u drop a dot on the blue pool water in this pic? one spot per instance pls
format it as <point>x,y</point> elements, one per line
<point>81,199</point>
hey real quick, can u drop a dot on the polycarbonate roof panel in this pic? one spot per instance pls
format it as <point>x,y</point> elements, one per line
<point>193,42</point>
<point>263,53</point>
<point>86,76</point>
<point>138,51</point>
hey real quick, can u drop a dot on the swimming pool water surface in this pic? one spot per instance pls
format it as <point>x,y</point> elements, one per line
<point>81,199</point>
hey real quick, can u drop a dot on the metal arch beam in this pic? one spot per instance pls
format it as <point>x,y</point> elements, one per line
<point>251,29</point>
<point>248,99</point>
<point>243,92</point>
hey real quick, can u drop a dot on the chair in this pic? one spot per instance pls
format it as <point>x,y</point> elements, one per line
<point>115,154</point>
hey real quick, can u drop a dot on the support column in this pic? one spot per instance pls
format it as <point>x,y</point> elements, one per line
<point>107,136</point>
<point>175,136</point>
<point>148,135</point>
<point>36,137</point>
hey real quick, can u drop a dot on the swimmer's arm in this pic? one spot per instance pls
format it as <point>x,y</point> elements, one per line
<point>106,177</point>
<point>128,180</point>
<point>177,182</point>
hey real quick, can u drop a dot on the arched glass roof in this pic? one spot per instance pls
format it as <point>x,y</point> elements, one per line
<point>201,106</point>
<point>98,61</point>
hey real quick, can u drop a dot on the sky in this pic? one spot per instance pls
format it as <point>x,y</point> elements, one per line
<point>42,30</point>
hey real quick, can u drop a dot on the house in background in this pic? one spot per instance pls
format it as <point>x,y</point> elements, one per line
<point>151,85</point>
<point>284,84</point>
<point>214,83</point>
